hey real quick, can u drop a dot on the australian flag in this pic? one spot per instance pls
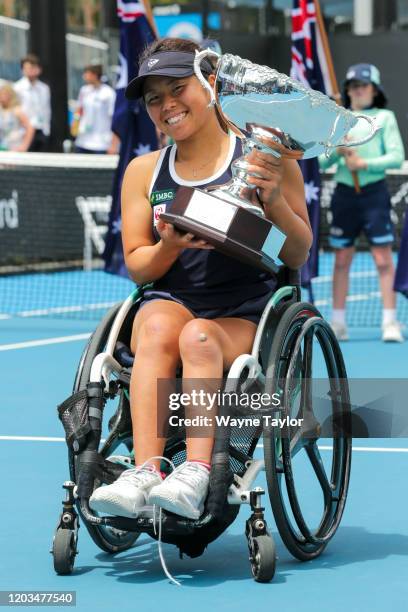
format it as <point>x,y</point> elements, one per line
<point>401,275</point>
<point>130,121</point>
<point>309,66</point>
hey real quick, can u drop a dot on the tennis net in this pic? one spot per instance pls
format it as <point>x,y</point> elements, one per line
<point>54,212</point>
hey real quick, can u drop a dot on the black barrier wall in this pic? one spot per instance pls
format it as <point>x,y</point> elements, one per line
<point>40,219</point>
<point>45,213</point>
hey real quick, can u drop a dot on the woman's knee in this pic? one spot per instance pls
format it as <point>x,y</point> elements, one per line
<point>383,260</point>
<point>198,342</point>
<point>158,333</point>
<point>343,260</point>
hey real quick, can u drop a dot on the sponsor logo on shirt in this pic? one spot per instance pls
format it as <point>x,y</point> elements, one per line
<point>157,211</point>
<point>158,197</point>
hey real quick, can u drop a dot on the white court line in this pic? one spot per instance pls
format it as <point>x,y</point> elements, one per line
<point>371,449</point>
<point>44,341</point>
<point>32,439</point>
<point>367,449</point>
<point>35,439</point>
<point>64,309</point>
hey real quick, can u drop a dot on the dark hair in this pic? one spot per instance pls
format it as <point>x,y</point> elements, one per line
<point>96,69</point>
<point>178,44</point>
<point>32,59</point>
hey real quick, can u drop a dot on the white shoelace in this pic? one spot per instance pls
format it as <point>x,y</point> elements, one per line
<point>191,475</point>
<point>137,475</point>
<point>159,541</point>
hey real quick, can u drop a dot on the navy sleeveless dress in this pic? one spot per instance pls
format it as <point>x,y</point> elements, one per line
<point>208,283</point>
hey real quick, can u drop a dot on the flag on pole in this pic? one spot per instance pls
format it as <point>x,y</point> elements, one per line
<point>130,121</point>
<point>401,275</point>
<point>309,66</point>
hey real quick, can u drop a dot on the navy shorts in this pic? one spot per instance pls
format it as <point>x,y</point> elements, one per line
<point>251,310</point>
<point>367,212</point>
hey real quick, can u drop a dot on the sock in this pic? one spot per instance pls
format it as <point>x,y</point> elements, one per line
<point>388,316</point>
<point>203,463</point>
<point>339,316</point>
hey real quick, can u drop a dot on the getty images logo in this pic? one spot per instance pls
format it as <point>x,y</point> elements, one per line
<point>9,211</point>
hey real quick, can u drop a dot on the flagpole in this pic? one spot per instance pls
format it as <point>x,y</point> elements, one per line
<point>332,74</point>
<point>150,17</point>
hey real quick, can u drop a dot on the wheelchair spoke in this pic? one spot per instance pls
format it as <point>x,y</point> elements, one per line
<point>317,464</point>
<point>306,396</point>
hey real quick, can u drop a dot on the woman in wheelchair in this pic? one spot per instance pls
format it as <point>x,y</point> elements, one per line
<point>203,307</point>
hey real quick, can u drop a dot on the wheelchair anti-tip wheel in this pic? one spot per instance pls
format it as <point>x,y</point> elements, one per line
<point>262,557</point>
<point>293,357</point>
<point>64,551</point>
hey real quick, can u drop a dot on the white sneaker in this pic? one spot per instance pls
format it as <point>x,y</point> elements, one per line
<point>340,330</point>
<point>391,332</point>
<point>127,496</point>
<point>183,492</point>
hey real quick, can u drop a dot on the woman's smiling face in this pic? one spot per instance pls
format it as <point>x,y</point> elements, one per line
<point>177,106</point>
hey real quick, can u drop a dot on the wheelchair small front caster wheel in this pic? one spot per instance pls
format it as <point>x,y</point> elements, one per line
<point>64,551</point>
<point>262,556</point>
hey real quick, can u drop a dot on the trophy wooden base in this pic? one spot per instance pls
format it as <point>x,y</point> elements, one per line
<point>230,228</point>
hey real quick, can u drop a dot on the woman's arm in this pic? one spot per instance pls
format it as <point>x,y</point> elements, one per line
<point>326,162</point>
<point>394,154</point>
<point>281,191</point>
<point>29,130</point>
<point>146,260</point>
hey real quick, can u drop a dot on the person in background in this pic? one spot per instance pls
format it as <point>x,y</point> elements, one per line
<point>36,101</point>
<point>16,131</point>
<point>369,210</point>
<point>93,116</point>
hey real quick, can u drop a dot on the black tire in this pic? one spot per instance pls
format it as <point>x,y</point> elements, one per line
<point>64,551</point>
<point>108,539</point>
<point>262,558</point>
<point>302,322</point>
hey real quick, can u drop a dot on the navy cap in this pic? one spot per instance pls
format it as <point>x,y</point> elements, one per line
<point>365,73</point>
<point>176,64</point>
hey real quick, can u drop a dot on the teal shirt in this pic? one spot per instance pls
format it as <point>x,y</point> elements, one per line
<point>383,152</point>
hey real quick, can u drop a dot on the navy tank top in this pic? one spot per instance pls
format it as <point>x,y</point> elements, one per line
<point>202,278</point>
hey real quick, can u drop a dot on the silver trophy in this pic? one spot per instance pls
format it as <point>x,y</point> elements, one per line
<point>265,107</point>
<point>267,104</point>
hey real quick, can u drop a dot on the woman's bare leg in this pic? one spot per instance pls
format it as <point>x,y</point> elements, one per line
<point>386,272</point>
<point>155,344</point>
<point>343,259</point>
<point>207,348</point>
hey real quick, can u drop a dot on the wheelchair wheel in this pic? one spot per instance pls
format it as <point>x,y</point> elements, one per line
<point>107,538</point>
<point>262,557</point>
<point>64,551</point>
<point>300,334</point>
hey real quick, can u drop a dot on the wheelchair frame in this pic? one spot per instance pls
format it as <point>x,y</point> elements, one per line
<point>279,333</point>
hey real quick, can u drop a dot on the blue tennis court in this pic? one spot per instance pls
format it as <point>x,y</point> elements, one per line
<point>363,568</point>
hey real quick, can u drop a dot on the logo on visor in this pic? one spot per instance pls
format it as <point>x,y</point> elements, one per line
<point>151,63</point>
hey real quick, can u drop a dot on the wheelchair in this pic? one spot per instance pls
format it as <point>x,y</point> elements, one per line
<point>293,344</point>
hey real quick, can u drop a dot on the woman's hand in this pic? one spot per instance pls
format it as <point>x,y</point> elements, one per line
<point>354,162</point>
<point>176,240</point>
<point>343,150</point>
<point>270,171</point>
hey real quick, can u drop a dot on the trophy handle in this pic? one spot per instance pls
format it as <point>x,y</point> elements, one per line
<point>197,61</point>
<point>354,143</point>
